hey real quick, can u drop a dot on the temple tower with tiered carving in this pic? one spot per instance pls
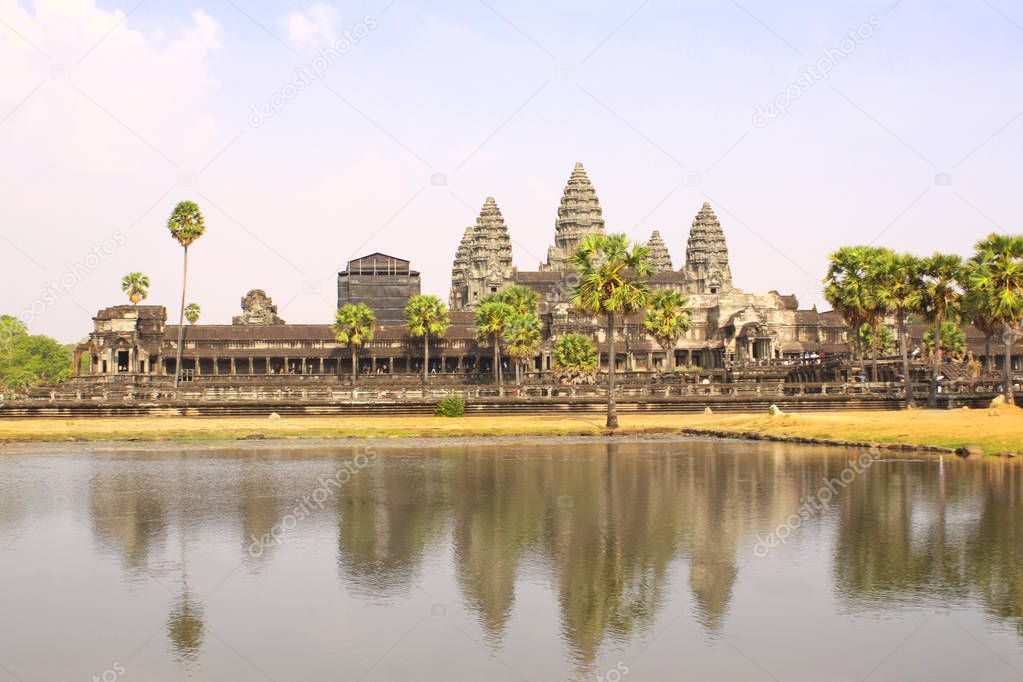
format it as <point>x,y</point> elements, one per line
<point>578,215</point>
<point>483,261</point>
<point>659,258</point>
<point>706,269</point>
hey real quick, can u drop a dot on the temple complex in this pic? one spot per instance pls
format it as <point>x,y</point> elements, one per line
<point>731,328</point>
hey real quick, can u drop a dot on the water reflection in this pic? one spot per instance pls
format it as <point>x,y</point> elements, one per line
<point>618,532</point>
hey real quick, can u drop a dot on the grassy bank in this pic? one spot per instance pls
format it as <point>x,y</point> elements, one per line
<point>952,429</point>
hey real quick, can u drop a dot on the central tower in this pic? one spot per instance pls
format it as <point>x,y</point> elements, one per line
<point>578,215</point>
<point>707,270</point>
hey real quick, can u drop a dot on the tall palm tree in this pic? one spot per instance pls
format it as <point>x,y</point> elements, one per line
<point>492,317</point>
<point>136,285</point>
<point>941,276</point>
<point>522,339</point>
<point>1000,273</point>
<point>354,324</point>
<point>898,288</point>
<point>978,307</point>
<point>667,320</point>
<point>186,224</point>
<point>845,288</point>
<point>612,282</point>
<point>426,316</point>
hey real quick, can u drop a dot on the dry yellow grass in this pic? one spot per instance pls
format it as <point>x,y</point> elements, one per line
<point>956,428</point>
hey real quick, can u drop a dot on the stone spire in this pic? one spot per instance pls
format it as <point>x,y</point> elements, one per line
<point>659,259</point>
<point>706,269</point>
<point>483,261</point>
<point>578,215</point>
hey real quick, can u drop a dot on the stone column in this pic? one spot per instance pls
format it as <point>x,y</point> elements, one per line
<point>234,367</point>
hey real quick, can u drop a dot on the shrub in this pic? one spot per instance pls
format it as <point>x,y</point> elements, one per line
<point>450,406</point>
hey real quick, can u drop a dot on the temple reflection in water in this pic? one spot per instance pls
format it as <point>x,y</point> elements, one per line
<point>613,530</point>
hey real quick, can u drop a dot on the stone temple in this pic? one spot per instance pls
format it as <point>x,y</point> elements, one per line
<point>730,327</point>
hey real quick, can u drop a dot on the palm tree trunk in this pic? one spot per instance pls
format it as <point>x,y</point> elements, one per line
<point>936,368</point>
<point>670,352</point>
<point>355,367</point>
<point>1009,394</point>
<point>612,408</point>
<point>518,372</point>
<point>873,349</point>
<point>181,323</point>
<point>988,361</point>
<point>497,362</point>
<point>904,351</point>
<point>426,358</point>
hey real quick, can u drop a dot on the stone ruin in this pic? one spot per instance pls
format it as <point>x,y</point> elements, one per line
<point>257,309</point>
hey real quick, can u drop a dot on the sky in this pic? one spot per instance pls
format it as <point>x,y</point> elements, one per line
<point>314,133</point>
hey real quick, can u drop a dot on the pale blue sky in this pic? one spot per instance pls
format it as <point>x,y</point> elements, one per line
<point>107,114</point>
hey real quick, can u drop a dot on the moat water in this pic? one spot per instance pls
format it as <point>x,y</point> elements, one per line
<point>634,561</point>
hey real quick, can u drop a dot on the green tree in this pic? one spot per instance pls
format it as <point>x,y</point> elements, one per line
<point>941,276</point>
<point>522,339</point>
<point>575,352</point>
<point>522,299</point>
<point>667,320</point>
<point>953,340</point>
<point>11,329</point>
<point>845,288</point>
<point>898,288</point>
<point>185,225</point>
<point>426,316</point>
<point>998,273</point>
<point>354,324</point>
<point>192,312</point>
<point>136,285</point>
<point>492,318</point>
<point>881,338</point>
<point>612,283</point>
<point>31,360</point>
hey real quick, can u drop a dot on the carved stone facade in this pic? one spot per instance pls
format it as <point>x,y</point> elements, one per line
<point>257,309</point>
<point>578,215</point>
<point>659,258</point>
<point>483,261</point>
